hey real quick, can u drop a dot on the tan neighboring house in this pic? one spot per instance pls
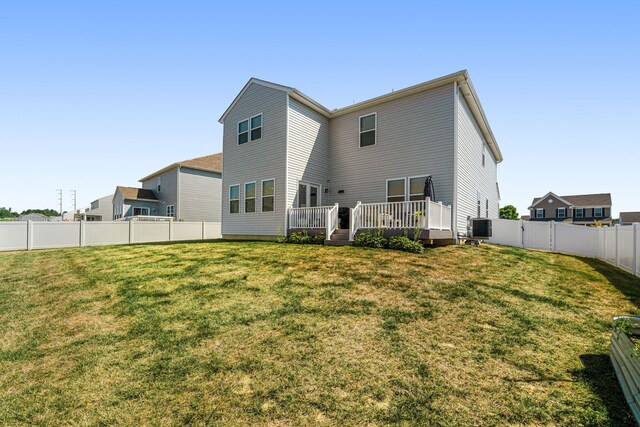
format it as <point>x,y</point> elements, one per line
<point>629,218</point>
<point>189,190</point>
<point>581,209</point>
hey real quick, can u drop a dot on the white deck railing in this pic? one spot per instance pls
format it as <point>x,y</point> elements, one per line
<point>146,218</point>
<point>422,214</point>
<point>332,220</point>
<point>315,217</point>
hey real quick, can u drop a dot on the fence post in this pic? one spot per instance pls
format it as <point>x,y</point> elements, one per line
<point>130,231</point>
<point>204,224</point>
<point>552,228</point>
<point>440,204</point>
<point>29,235</point>
<point>635,248</point>
<point>170,230</point>
<point>617,243</point>
<point>520,236</point>
<point>428,210</point>
<point>82,225</point>
<point>602,251</point>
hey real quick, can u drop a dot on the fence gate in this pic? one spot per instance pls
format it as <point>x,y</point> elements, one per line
<point>537,235</point>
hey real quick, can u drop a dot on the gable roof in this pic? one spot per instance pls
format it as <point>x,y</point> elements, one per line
<point>629,216</point>
<point>600,199</point>
<point>461,77</point>
<point>210,163</point>
<point>132,193</point>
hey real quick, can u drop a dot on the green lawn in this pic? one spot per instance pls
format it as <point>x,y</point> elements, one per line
<point>232,333</point>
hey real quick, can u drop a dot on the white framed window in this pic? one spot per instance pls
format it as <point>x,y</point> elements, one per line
<point>171,211</point>
<point>578,212</point>
<point>268,195</point>
<point>598,212</point>
<point>256,127</point>
<point>249,197</point>
<point>368,129</point>
<point>234,199</point>
<point>539,213</point>
<point>562,212</point>
<point>250,129</point>
<point>396,190</point>
<point>141,211</point>
<point>416,187</point>
<point>243,131</point>
<point>158,183</point>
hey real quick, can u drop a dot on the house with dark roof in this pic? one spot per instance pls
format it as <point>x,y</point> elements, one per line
<point>581,209</point>
<point>629,218</point>
<point>189,190</point>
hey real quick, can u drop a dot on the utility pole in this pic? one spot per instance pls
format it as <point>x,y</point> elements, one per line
<point>73,199</point>
<point>59,192</point>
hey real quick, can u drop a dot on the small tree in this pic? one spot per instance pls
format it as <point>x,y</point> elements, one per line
<point>509,212</point>
<point>7,213</point>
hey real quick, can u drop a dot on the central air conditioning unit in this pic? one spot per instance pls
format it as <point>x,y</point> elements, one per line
<point>479,228</point>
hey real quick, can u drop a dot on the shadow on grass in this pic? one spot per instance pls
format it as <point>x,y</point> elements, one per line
<point>599,375</point>
<point>625,282</point>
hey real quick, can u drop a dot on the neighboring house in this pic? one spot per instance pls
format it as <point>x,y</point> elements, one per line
<point>584,209</point>
<point>629,218</point>
<point>190,190</point>
<point>286,154</point>
<point>131,201</point>
<point>101,210</point>
<point>33,217</point>
<point>525,217</point>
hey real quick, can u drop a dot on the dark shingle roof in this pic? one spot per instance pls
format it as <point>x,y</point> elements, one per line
<point>601,199</point>
<point>210,163</point>
<point>629,216</point>
<point>133,193</point>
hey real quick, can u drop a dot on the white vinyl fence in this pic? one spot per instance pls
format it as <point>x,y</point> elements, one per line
<point>618,245</point>
<point>44,235</point>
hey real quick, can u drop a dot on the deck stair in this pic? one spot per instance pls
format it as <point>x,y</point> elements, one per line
<point>339,237</point>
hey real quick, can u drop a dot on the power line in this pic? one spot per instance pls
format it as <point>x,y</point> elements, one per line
<point>73,200</point>
<point>59,193</point>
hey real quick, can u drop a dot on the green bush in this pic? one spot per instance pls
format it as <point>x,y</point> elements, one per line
<point>404,243</point>
<point>303,239</point>
<point>371,240</point>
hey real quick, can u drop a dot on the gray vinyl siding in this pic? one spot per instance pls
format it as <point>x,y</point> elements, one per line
<point>128,205</point>
<point>472,176</point>
<point>168,194</point>
<point>256,161</point>
<point>308,157</point>
<point>200,195</point>
<point>415,138</point>
<point>104,208</point>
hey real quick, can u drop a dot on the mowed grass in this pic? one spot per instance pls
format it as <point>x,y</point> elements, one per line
<point>239,333</point>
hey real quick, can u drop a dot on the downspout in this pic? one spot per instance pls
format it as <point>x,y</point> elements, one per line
<point>454,206</point>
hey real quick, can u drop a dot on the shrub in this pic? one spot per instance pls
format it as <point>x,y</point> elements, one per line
<point>371,240</point>
<point>303,239</point>
<point>404,243</point>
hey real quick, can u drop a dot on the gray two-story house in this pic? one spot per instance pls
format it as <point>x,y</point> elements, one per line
<point>291,163</point>
<point>190,190</point>
<point>581,209</point>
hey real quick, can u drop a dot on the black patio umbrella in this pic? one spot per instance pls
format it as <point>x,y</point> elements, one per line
<point>428,189</point>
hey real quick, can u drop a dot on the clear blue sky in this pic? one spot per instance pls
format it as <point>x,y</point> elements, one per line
<point>99,94</point>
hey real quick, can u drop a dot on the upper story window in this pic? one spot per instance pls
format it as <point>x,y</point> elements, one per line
<point>250,129</point>
<point>598,212</point>
<point>268,195</point>
<point>234,199</point>
<point>158,183</point>
<point>95,204</point>
<point>416,187</point>
<point>539,213</point>
<point>578,213</point>
<point>395,190</point>
<point>250,197</point>
<point>368,129</point>
<point>562,213</point>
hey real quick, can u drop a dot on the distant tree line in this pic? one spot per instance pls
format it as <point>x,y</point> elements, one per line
<point>8,213</point>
